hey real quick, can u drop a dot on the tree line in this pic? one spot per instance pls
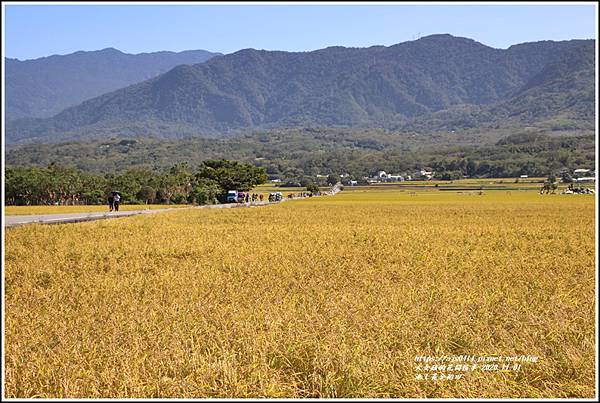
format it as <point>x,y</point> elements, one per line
<point>303,155</point>
<point>180,183</point>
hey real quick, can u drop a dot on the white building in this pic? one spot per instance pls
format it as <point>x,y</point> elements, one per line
<point>585,179</point>
<point>579,173</point>
<point>394,178</point>
<point>423,175</point>
<point>383,176</point>
<point>584,175</point>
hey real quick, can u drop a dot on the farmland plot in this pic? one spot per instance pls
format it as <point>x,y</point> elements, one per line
<point>327,297</point>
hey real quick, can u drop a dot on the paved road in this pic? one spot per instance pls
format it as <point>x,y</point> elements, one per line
<point>17,220</point>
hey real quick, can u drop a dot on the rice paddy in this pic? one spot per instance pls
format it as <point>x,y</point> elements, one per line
<point>324,297</point>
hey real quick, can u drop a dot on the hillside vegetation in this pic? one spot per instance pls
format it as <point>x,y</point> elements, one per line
<point>44,87</point>
<point>439,82</point>
<point>297,154</point>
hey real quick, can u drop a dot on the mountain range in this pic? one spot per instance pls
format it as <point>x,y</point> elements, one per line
<point>44,87</point>
<point>439,82</point>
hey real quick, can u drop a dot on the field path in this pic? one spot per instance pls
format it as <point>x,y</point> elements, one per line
<point>17,220</point>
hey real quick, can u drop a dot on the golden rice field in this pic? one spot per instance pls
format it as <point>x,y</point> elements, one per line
<point>27,210</point>
<point>325,297</point>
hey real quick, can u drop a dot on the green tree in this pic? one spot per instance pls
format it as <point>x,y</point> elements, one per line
<point>313,188</point>
<point>332,179</point>
<point>232,175</point>
<point>146,194</point>
<point>205,191</point>
<point>566,177</point>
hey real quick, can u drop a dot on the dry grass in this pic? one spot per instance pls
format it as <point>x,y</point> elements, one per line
<point>325,297</point>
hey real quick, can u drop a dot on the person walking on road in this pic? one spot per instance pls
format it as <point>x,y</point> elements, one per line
<point>111,202</point>
<point>116,201</point>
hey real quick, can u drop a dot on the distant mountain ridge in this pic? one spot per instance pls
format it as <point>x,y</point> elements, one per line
<point>439,76</point>
<point>45,86</point>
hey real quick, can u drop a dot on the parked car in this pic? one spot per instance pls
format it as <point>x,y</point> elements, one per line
<point>233,196</point>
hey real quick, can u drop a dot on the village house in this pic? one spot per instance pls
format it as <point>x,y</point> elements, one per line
<point>395,178</point>
<point>584,175</point>
<point>382,176</point>
<point>423,175</point>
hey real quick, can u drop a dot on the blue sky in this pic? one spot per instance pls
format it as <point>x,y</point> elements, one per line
<point>33,31</point>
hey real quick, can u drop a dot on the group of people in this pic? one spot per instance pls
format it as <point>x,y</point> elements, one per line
<point>114,199</point>
<point>274,196</point>
<point>579,190</point>
<point>247,198</point>
<point>300,195</point>
<point>277,196</point>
